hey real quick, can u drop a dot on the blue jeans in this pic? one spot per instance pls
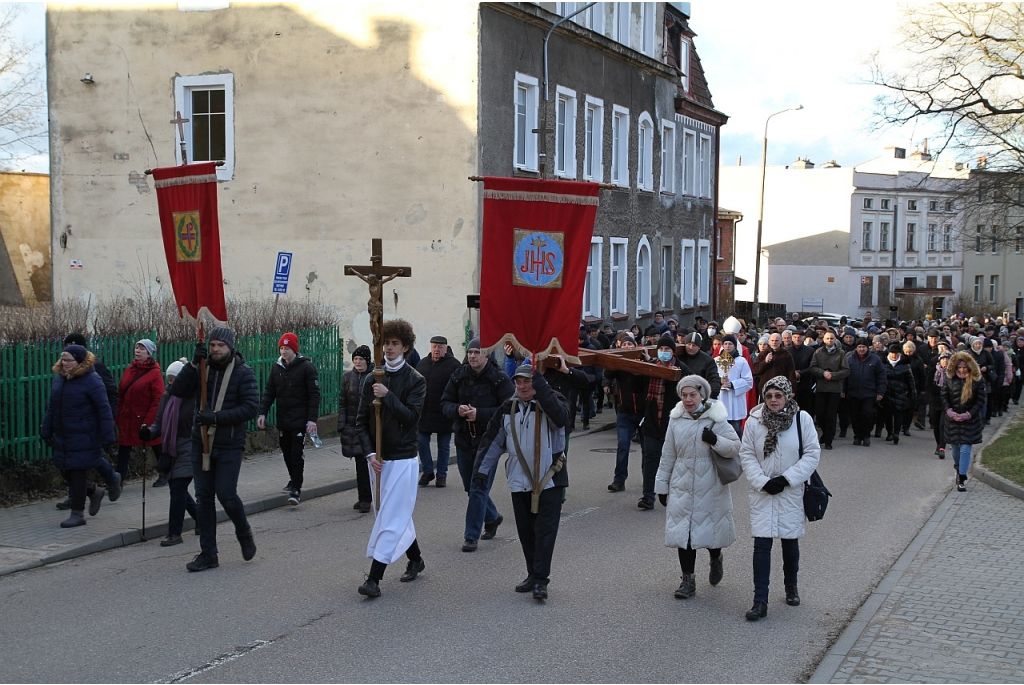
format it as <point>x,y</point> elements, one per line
<point>738,427</point>
<point>626,426</point>
<point>481,507</point>
<point>221,480</point>
<point>961,458</point>
<point>444,451</point>
<point>181,501</point>
<point>651,462</point>
<point>763,565</point>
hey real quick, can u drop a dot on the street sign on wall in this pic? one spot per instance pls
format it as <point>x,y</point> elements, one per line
<point>282,271</point>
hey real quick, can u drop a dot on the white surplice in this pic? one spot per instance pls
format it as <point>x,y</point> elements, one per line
<point>393,530</point>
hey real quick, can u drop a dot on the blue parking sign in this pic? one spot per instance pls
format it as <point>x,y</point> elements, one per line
<point>281,272</point>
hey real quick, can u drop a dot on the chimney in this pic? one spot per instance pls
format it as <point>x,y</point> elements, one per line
<point>921,155</point>
<point>830,164</point>
<point>982,161</point>
<point>803,163</point>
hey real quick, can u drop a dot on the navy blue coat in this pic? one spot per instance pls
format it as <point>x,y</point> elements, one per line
<point>78,418</point>
<point>866,379</point>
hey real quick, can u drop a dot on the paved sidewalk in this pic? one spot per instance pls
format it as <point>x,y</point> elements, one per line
<point>31,536</point>
<point>951,609</point>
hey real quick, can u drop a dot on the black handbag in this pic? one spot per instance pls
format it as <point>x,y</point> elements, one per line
<point>815,493</point>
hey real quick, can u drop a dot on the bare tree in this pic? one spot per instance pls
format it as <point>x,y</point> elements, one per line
<point>964,75</point>
<point>22,93</point>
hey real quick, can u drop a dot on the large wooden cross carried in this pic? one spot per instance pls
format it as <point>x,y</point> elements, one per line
<point>631,361</point>
<point>376,275</point>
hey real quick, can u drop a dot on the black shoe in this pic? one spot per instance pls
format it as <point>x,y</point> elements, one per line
<point>248,545</point>
<point>370,588</point>
<point>888,437</point>
<point>294,497</point>
<point>171,541</point>
<point>160,482</point>
<point>645,503</point>
<point>95,500</point>
<point>203,562</point>
<point>857,442</point>
<point>526,585</point>
<point>469,546</point>
<point>906,432</point>
<point>826,445</point>
<point>586,425</point>
<point>918,425</point>
<point>942,453</point>
<point>616,486</point>
<point>65,505</point>
<point>878,434</point>
<point>288,488</point>
<point>441,482</point>
<point>425,479</point>
<point>792,596</point>
<point>491,529</point>
<point>114,489</point>
<point>687,588</point>
<point>895,439</point>
<point>364,507</point>
<point>540,592</point>
<point>759,610</point>
<point>867,442</point>
<point>842,434</point>
<point>412,569</point>
<point>717,572</point>
<point>74,520</point>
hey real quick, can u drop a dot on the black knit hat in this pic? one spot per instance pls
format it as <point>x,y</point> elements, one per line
<point>667,341</point>
<point>76,351</point>
<point>224,334</point>
<point>362,351</point>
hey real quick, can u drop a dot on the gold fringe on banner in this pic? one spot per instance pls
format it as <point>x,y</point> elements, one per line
<point>556,198</point>
<point>186,180</point>
<point>553,347</point>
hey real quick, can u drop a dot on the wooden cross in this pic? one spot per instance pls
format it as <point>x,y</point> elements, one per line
<point>181,134</point>
<point>630,360</point>
<point>376,275</point>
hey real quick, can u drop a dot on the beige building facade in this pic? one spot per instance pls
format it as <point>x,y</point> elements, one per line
<point>337,123</point>
<point>24,239</point>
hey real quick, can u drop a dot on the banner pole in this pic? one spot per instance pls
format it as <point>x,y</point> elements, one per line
<point>203,430</point>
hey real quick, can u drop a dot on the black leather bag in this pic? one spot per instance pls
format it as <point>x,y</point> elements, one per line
<point>815,493</point>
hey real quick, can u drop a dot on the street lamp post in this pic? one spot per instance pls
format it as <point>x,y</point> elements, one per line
<point>760,213</point>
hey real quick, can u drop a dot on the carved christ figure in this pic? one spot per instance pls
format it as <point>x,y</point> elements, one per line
<point>375,305</point>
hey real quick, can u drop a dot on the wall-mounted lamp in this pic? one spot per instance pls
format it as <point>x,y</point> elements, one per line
<point>87,79</point>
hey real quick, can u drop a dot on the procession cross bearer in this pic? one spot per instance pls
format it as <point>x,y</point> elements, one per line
<point>389,436</point>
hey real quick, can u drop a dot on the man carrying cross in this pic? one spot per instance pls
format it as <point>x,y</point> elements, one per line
<point>536,479</point>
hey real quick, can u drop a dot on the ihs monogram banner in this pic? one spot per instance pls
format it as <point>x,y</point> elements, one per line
<point>187,200</point>
<point>536,244</point>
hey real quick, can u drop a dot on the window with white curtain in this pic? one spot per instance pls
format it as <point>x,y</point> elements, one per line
<point>686,272</point>
<point>526,92</point>
<point>668,157</point>
<point>703,272</point>
<point>592,285</point>
<point>617,276</point>
<point>565,132</point>
<point>620,146</point>
<point>643,277</point>
<point>645,152</point>
<point>593,143</point>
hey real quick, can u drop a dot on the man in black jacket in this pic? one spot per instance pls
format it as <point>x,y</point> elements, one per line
<point>394,462</point>
<point>232,399</point>
<point>631,389</point>
<point>804,387</point>
<point>473,395</point>
<point>294,384</point>
<point>437,369</point>
<point>693,357</point>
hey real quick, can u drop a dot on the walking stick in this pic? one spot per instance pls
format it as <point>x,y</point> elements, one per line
<point>143,534</point>
<point>203,430</point>
<point>378,377</point>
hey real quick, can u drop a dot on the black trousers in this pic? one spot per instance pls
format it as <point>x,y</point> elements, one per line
<point>844,413</point>
<point>363,480</point>
<point>688,557</point>
<point>291,442</point>
<point>826,409</point>
<point>891,418</point>
<point>935,416</point>
<point>862,416</point>
<point>78,487</point>
<point>537,532</point>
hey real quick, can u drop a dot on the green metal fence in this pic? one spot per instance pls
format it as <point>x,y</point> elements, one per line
<point>26,375</point>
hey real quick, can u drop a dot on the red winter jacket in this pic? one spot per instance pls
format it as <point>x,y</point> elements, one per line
<point>138,399</point>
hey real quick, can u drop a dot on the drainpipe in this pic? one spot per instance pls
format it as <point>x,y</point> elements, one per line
<point>547,94</point>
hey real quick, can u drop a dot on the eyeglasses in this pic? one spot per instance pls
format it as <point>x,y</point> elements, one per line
<point>774,396</point>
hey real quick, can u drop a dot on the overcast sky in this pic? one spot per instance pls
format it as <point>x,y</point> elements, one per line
<point>760,57</point>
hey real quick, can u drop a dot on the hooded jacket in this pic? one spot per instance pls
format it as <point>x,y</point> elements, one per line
<point>78,417</point>
<point>967,432</point>
<point>436,374</point>
<point>296,389</point>
<point>699,509</point>
<point>900,388</point>
<point>140,390</point>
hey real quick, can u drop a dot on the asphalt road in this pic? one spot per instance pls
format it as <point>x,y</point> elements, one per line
<point>293,615</point>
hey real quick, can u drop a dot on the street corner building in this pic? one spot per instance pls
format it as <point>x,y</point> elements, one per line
<point>339,124</point>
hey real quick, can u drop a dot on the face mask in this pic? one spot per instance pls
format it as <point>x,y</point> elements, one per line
<point>664,355</point>
<point>712,330</point>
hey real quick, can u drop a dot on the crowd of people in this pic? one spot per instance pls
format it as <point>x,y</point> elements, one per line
<point>764,402</point>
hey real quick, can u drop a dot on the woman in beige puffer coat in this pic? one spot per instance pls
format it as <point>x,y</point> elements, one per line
<point>698,505</point>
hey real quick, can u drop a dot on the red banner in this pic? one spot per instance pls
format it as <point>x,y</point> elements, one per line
<point>187,199</point>
<point>536,243</point>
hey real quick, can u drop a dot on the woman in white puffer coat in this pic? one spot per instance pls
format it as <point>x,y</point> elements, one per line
<point>698,506</point>
<point>776,471</point>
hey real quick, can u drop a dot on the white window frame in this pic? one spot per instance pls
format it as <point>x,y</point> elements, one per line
<point>689,162</point>
<point>684,62</point>
<point>667,266</point>
<point>648,13</point>
<point>183,87</point>
<point>593,139</point>
<point>866,235</point>
<point>869,203</point>
<point>947,237</point>
<point>979,285</point>
<point>933,205</point>
<point>705,155</point>
<point>620,146</point>
<point>911,236</point>
<point>565,132</point>
<point>884,236</point>
<point>645,152</point>
<point>933,238</point>
<point>993,288</point>
<point>884,205</point>
<point>668,156</point>
<point>621,22</point>
<point>703,272</point>
<point>531,87</point>
<point>618,273</point>
<point>687,262</point>
<point>593,285</point>
<point>643,276</point>
<point>911,205</point>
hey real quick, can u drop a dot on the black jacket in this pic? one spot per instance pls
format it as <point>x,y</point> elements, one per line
<point>631,390</point>
<point>485,391</point>
<point>967,432</point>
<point>569,387</point>
<point>866,379</point>
<point>703,365</point>
<point>802,355</point>
<point>436,374</point>
<point>899,384</point>
<point>241,400</point>
<point>400,412</point>
<point>296,389</point>
<point>656,423</point>
<point>348,406</point>
<point>985,361</point>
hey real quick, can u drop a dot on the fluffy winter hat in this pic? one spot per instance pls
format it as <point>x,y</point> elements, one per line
<point>149,345</point>
<point>289,340</point>
<point>693,338</point>
<point>174,368</point>
<point>781,383</point>
<point>224,334</point>
<point>76,351</point>
<point>667,341</point>
<point>694,381</point>
<point>364,352</point>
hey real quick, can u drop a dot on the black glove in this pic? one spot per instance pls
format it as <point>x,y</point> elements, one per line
<point>48,441</point>
<point>709,436</point>
<point>775,485</point>
<point>480,480</point>
<point>145,434</point>
<point>207,417</point>
<point>111,449</point>
<point>663,499</point>
<point>199,354</point>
